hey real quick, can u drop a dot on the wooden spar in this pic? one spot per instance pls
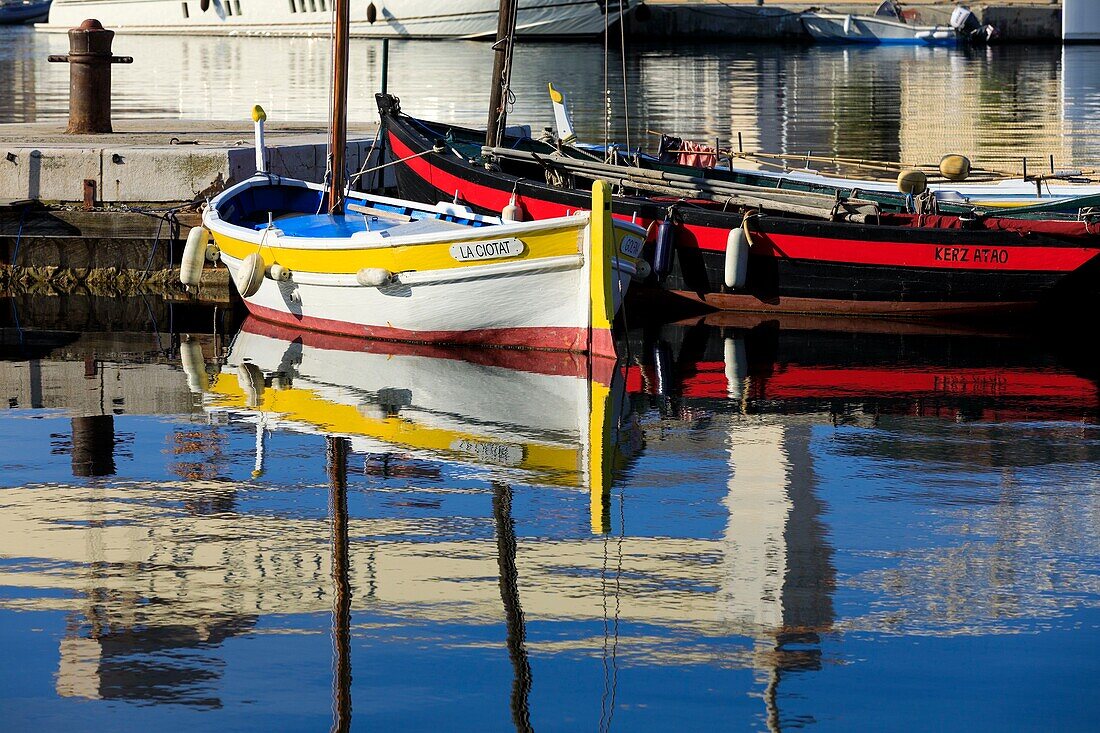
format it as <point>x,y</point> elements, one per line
<point>502,73</point>
<point>338,125</point>
<point>337,458</point>
<point>802,203</point>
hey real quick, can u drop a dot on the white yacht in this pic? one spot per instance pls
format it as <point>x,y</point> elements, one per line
<point>469,19</point>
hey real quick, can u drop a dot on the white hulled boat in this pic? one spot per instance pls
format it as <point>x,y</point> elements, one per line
<point>380,19</point>
<point>393,269</point>
<point>889,26</point>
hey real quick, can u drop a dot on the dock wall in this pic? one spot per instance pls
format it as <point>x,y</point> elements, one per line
<point>37,162</point>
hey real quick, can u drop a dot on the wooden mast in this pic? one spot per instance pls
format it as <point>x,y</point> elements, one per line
<point>338,125</point>
<point>502,73</point>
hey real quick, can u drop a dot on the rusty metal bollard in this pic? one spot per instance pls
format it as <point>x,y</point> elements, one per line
<point>90,61</point>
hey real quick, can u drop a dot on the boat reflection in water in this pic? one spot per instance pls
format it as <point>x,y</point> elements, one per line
<point>506,414</point>
<point>730,544</point>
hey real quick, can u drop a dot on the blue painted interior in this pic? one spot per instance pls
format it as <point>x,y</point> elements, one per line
<point>296,210</point>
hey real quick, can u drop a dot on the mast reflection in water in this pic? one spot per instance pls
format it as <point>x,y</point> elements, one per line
<point>758,523</point>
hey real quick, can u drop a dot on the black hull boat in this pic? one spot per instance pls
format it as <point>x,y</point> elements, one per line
<point>891,264</point>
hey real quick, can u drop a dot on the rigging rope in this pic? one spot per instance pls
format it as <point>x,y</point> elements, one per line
<point>626,96</point>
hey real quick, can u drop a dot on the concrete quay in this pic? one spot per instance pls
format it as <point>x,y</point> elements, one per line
<point>157,161</point>
<point>716,20</point>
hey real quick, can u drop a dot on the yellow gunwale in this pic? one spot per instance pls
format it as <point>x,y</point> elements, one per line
<point>402,257</point>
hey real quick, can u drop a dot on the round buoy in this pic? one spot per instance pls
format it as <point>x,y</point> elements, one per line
<point>278,273</point>
<point>737,258</point>
<point>194,252</point>
<point>213,253</point>
<point>194,366</point>
<point>955,167</point>
<point>250,275</point>
<point>912,181</point>
<point>642,271</point>
<point>373,277</point>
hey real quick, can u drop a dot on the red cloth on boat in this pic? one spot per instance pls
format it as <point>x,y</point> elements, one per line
<point>995,224</point>
<point>697,155</point>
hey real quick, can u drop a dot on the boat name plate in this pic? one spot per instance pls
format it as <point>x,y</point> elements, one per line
<point>497,249</point>
<point>631,246</point>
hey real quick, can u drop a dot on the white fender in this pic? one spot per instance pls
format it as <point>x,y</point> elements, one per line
<point>278,273</point>
<point>943,35</point>
<point>847,25</point>
<point>251,274</point>
<point>735,363</point>
<point>737,258</point>
<point>373,277</point>
<point>194,252</point>
<point>512,212</point>
<point>194,366</point>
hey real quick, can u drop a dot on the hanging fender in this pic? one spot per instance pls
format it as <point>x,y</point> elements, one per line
<point>204,5</point>
<point>194,253</point>
<point>665,242</point>
<point>737,255</point>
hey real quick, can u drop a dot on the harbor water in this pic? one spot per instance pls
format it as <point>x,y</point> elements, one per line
<point>801,525</point>
<point>753,523</point>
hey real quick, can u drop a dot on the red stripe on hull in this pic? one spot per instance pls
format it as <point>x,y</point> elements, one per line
<point>1009,257</point>
<point>826,306</point>
<point>553,338</point>
<point>550,363</point>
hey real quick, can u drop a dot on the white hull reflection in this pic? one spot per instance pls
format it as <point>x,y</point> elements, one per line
<point>508,415</point>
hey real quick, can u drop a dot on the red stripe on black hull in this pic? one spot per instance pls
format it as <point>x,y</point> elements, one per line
<point>803,266</point>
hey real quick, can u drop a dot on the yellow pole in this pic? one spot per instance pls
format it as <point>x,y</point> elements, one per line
<point>601,251</point>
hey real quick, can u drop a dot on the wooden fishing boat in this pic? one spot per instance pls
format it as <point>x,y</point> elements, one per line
<point>857,261</point>
<point>394,269</point>
<point>957,186</point>
<point>557,418</point>
<point>323,257</point>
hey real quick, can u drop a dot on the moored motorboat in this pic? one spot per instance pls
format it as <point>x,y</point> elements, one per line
<point>873,263</point>
<point>23,11</point>
<point>394,269</point>
<point>889,26</point>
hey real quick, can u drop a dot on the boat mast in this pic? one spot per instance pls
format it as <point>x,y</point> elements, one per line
<point>502,73</point>
<point>338,124</point>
